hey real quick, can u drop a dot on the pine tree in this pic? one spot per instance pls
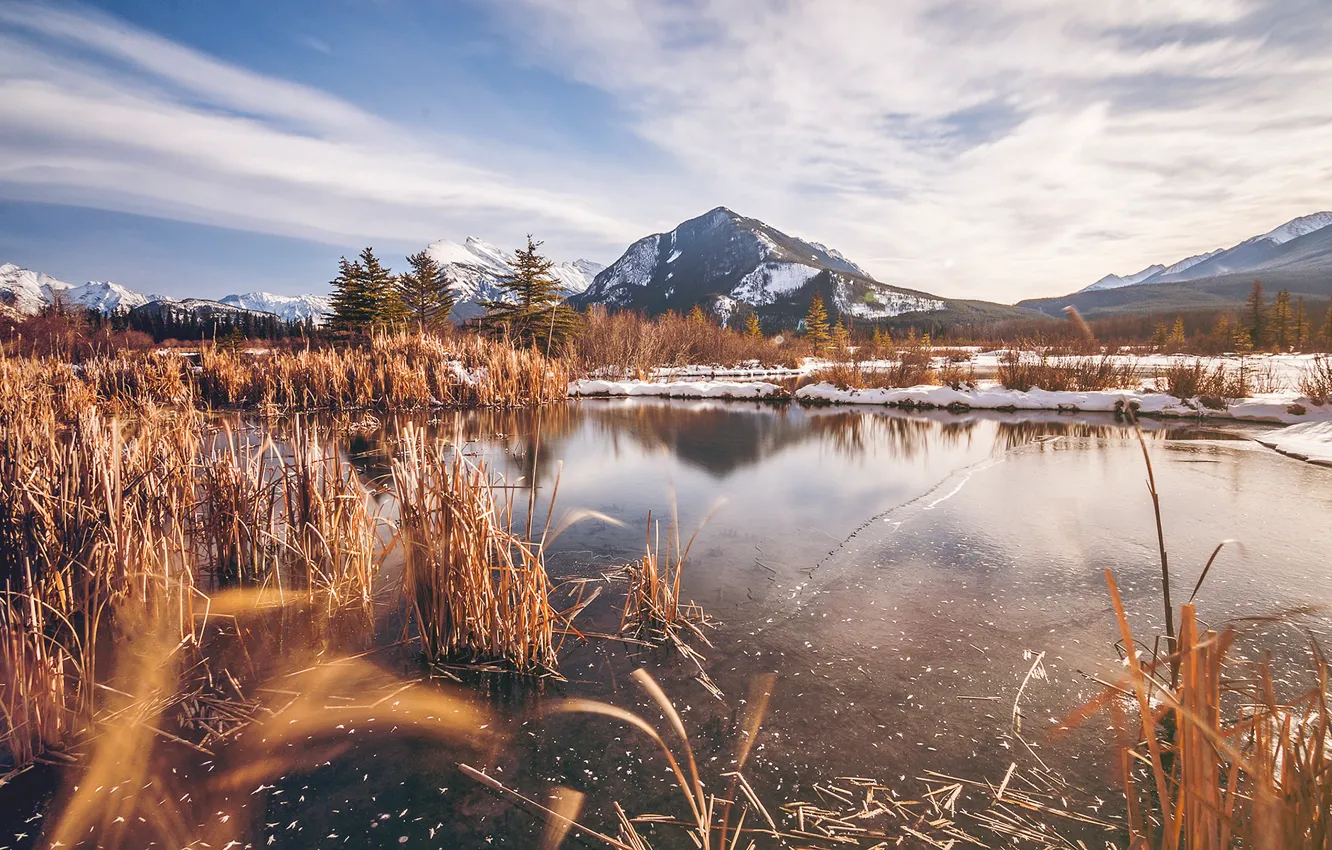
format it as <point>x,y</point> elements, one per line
<point>1256,313</point>
<point>1160,336</point>
<point>697,317</point>
<point>388,310</point>
<point>1280,320</point>
<point>752,326</point>
<point>425,293</point>
<point>353,303</point>
<point>816,323</point>
<point>535,311</point>
<point>1326,331</point>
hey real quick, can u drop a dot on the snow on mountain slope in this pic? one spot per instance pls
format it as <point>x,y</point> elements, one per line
<point>291,308</point>
<point>1295,228</point>
<point>26,291</point>
<point>475,267</point>
<point>1251,254</point>
<point>105,297</point>
<point>1114,281</point>
<point>1190,262</point>
<point>722,260</point>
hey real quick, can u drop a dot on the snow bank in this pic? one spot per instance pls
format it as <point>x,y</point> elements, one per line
<point>678,389</point>
<point>1273,408</point>
<point>1311,441</point>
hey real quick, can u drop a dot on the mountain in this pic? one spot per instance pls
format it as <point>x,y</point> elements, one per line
<point>475,268</point>
<point>1296,255</point>
<point>723,260</point>
<point>26,291</point>
<point>1114,281</point>
<point>201,310</point>
<point>289,308</point>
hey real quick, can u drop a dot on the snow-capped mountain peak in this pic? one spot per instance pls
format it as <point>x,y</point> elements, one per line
<point>290,308</point>
<point>27,291</point>
<point>475,268</point>
<point>1296,228</point>
<point>1114,281</point>
<point>722,260</point>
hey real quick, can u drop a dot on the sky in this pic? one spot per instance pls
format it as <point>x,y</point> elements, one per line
<point>995,149</point>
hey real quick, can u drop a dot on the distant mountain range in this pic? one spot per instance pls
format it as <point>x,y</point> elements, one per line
<point>1296,255</point>
<point>723,260</point>
<point>475,268</point>
<point>730,264</point>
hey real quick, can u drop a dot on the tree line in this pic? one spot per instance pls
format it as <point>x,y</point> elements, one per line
<point>530,309</point>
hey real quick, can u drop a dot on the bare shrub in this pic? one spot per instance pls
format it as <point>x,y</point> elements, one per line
<point>1316,378</point>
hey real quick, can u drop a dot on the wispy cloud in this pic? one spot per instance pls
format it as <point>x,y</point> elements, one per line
<point>99,113</point>
<point>990,148</point>
<point>1009,135</point>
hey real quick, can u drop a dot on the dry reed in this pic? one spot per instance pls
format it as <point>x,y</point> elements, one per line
<point>477,591</point>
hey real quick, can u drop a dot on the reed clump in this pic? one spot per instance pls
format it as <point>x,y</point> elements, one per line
<point>1186,379</point>
<point>1216,758</point>
<point>108,523</point>
<point>477,590</point>
<point>1025,368</point>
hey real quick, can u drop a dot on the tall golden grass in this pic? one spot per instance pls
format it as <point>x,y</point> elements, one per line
<point>477,590</point>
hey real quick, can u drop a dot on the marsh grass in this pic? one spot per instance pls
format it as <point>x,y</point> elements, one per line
<point>477,589</point>
<point>1316,378</point>
<point>1027,367</point>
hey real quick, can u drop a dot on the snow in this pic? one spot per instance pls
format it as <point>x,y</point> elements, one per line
<point>475,268</point>
<point>1276,407</point>
<point>633,269</point>
<point>105,297</point>
<point>1296,228</point>
<point>1190,262</point>
<point>678,389</point>
<point>772,279</point>
<point>291,308</point>
<point>1114,281</point>
<point>675,255</point>
<point>28,291</point>
<point>1311,441</point>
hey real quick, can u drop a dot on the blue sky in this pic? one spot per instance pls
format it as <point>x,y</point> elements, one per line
<point>982,148</point>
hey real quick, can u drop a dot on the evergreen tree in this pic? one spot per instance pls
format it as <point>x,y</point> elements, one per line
<point>535,311</point>
<point>1256,313</point>
<point>388,309</point>
<point>354,304</point>
<point>816,323</point>
<point>1160,336</point>
<point>1280,320</point>
<point>697,317</point>
<point>752,326</point>
<point>1326,332</point>
<point>425,292</point>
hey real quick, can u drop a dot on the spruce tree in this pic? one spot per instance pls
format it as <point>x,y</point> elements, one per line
<point>841,339</point>
<point>534,311</point>
<point>353,303</point>
<point>425,293</point>
<point>1326,332</point>
<point>1256,314</point>
<point>752,327</point>
<point>1280,320</point>
<point>1176,339</point>
<point>816,323</point>
<point>388,309</point>
<point>697,317</point>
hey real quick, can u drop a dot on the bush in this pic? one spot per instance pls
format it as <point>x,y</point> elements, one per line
<point>1316,378</point>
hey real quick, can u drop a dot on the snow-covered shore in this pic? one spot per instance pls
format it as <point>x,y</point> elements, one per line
<point>679,389</point>
<point>1275,407</point>
<point>1310,441</point>
<point>1283,408</point>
